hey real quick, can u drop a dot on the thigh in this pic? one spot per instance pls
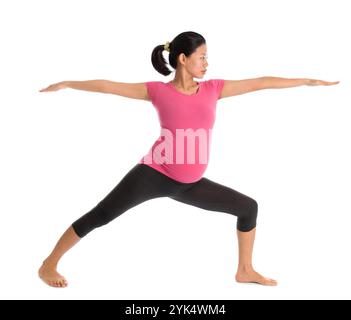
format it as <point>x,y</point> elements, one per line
<point>140,184</point>
<point>210,195</point>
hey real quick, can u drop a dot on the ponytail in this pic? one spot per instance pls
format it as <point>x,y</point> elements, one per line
<point>185,42</point>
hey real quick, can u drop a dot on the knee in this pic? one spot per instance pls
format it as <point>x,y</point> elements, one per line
<point>101,216</point>
<point>249,218</point>
<point>95,218</point>
<point>252,211</point>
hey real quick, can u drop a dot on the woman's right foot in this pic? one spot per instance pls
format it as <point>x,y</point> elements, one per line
<point>51,277</point>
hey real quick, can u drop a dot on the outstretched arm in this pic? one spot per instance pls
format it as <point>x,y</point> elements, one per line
<point>277,83</point>
<point>236,87</point>
<point>128,90</point>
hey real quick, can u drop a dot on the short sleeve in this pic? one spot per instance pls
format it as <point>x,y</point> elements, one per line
<point>152,89</point>
<point>217,86</point>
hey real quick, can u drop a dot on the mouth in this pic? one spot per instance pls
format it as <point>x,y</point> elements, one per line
<point>204,71</point>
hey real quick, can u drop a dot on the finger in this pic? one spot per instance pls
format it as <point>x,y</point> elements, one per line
<point>49,88</point>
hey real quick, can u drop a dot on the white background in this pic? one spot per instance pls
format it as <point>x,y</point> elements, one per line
<point>62,152</point>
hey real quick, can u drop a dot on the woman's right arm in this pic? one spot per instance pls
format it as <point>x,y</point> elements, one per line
<point>128,90</point>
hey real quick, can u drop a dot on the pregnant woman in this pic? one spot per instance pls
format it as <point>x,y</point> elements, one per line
<point>176,162</point>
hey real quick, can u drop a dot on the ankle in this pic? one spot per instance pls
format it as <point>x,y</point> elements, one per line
<point>245,268</point>
<point>50,263</point>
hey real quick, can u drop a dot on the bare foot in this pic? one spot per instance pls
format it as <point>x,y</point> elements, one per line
<point>255,277</point>
<point>51,277</point>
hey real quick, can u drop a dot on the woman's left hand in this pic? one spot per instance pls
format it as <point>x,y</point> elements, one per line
<point>314,82</point>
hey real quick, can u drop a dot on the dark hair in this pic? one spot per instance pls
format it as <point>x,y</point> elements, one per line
<point>185,42</point>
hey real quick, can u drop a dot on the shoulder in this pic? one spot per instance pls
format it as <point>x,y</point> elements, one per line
<point>215,85</point>
<point>215,82</point>
<point>152,88</point>
<point>152,85</point>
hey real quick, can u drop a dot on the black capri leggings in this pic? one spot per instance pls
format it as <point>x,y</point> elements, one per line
<point>143,183</point>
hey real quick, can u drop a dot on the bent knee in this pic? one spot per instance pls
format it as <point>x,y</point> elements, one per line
<point>251,213</point>
<point>254,209</point>
<point>247,221</point>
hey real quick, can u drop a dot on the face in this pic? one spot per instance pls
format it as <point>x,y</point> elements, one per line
<point>196,63</point>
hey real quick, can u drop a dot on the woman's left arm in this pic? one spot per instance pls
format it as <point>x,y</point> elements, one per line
<point>236,87</point>
<point>277,83</point>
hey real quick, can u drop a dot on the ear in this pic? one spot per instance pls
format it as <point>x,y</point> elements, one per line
<point>182,58</point>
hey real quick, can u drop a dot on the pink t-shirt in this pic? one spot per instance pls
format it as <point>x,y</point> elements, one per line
<point>182,150</point>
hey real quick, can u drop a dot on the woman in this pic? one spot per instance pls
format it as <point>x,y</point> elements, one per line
<point>185,108</point>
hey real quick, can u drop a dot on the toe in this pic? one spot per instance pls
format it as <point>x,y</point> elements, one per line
<point>63,283</point>
<point>272,282</point>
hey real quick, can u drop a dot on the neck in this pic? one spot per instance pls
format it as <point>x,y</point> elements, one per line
<point>184,82</point>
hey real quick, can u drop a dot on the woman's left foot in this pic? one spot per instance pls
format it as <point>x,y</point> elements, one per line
<point>255,277</point>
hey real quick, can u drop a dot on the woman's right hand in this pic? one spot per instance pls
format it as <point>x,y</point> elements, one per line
<point>55,87</point>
